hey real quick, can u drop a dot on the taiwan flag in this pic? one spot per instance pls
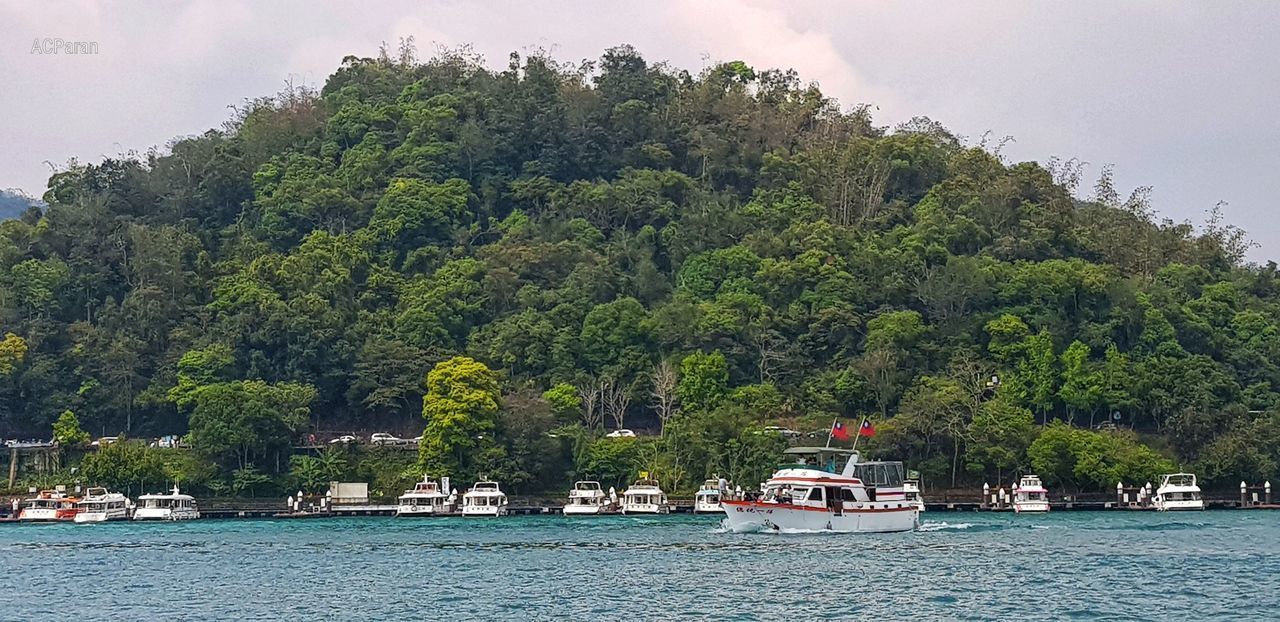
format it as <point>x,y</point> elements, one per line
<point>839,432</point>
<point>866,429</point>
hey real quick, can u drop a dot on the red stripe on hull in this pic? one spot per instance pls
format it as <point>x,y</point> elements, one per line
<point>788,506</point>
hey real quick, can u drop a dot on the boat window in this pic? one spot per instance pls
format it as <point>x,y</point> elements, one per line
<point>846,494</point>
<point>815,494</point>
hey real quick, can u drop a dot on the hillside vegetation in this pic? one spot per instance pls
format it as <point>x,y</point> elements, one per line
<point>519,260</point>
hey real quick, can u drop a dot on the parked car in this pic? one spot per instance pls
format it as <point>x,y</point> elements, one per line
<point>787,433</point>
<point>621,433</point>
<point>345,439</point>
<point>384,439</point>
<point>104,441</point>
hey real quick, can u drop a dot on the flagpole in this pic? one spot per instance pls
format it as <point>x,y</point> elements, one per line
<point>832,431</point>
<point>859,434</point>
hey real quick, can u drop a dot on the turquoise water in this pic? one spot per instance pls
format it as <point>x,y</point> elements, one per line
<point>1083,565</point>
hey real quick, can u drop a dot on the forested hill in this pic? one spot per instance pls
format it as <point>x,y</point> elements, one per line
<point>13,204</point>
<point>732,242</point>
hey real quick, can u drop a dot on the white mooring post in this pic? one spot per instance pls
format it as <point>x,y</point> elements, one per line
<point>986,495</point>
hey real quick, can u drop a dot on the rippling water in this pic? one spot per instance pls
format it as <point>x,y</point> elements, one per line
<point>1104,565</point>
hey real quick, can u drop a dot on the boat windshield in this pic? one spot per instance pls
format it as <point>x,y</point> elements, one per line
<point>587,486</point>
<point>1180,479</point>
<point>879,474</point>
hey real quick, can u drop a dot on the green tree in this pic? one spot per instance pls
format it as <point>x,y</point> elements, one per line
<point>704,378</point>
<point>566,405</point>
<point>460,406</point>
<point>242,421</point>
<point>67,431</point>
<point>13,349</point>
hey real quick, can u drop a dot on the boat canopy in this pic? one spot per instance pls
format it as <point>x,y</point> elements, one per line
<point>829,459</point>
<point>1179,479</point>
<point>588,486</point>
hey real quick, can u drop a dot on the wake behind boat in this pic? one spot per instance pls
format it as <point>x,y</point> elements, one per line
<point>862,497</point>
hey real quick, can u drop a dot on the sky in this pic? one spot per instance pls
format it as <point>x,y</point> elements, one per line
<point>1177,96</point>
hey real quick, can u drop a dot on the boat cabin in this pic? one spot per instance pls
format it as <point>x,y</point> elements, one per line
<point>644,492</point>
<point>845,478</point>
<point>484,494</point>
<point>160,502</point>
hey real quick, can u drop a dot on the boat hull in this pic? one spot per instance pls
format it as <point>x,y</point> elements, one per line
<point>748,516</point>
<point>707,508</point>
<point>163,515</point>
<point>1031,507</point>
<point>583,510</point>
<point>481,512</point>
<point>38,515</point>
<point>644,508</point>
<point>415,511</point>
<point>1178,506</point>
<point>101,517</point>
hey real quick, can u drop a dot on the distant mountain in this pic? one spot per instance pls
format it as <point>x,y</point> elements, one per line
<point>14,203</point>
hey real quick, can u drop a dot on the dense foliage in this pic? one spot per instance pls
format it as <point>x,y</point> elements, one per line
<point>517,260</point>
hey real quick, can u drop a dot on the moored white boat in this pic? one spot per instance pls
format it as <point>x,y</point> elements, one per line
<point>48,506</point>
<point>644,497</point>
<point>863,497</point>
<point>1030,495</point>
<point>484,499</point>
<point>911,492</point>
<point>99,506</point>
<point>427,498</point>
<point>587,498</point>
<point>1178,491</point>
<point>173,505</point>
<point>707,499</point>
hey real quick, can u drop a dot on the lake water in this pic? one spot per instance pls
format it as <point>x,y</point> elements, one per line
<point>1082,565</point>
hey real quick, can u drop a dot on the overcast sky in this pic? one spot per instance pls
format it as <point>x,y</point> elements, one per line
<point>1180,97</point>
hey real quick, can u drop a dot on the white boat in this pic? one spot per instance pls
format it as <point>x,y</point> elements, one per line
<point>588,498</point>
<point>1178,491</point>
<point>172,505</point>
<point>707,499</point>
<point>1030,495</point>
<point>484,499</point>
<point>811,496</point>
<point>48,506</point>
<point>911,492</point>
<point>99,506</point>
<point>426,499</point>
<point>644,497</point>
